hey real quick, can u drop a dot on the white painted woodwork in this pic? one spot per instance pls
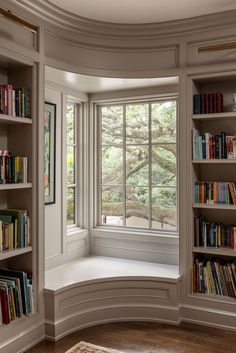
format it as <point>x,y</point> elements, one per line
<point>53,212</point>
<point>149,11</point>
<point>97,289</point>
<point>11,253</point>
<point>94,84</point>
<point>60,246</point>
<point>21,137</point>
<point>97,268</point>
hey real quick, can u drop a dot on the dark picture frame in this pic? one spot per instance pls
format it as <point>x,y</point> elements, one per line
<point>49,153</point>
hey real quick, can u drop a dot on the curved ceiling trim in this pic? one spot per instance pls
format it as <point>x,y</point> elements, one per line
<point>54,15</point>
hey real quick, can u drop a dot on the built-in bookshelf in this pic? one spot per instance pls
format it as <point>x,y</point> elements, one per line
<point>18,206</point>
<point>212,137</point>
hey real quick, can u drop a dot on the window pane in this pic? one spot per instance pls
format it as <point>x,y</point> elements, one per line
<point>70,209</point>
<point>112,125</point>
<point>164,121</point>
<point>164,165</point>
<point>70,165</point>
<point>112,165</point>
<point>137,207</point>
<point>112,206</point>
<point>137,165</point>
<point>70,124</point>
<point>164,208</point>
<point>137,123</point>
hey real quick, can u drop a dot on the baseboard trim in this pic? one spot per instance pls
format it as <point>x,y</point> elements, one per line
<point>75,322</point>
<point>208,317</point>
<point>25,339</point>
<point>40,339</point>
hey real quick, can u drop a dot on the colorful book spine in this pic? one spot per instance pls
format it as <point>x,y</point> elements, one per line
<point>212,192</point>
<point>208,146</point>
<point>15,101</point>
<point>213,234</point>
<point>15,229</point>
<point>16,295</point>
<point>208,103</point>
<point>13,169</point>
<point>214,277</point>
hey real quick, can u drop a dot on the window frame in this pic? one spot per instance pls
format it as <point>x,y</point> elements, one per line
<point>97,165</point>
<point>78,160</point>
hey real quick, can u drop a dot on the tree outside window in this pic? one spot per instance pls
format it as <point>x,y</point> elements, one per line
<point>71,153</point>
<point>138,165</point>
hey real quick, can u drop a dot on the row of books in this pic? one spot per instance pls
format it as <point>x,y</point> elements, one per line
<point>208,146</point>
<point>212,192</point>
<point>214,277</point>
<point>207,103</point>
<point>13,169</point>
<point>15,102</point>
<point>14,229</point>
<point>212,234</point>
<point>16,295</point>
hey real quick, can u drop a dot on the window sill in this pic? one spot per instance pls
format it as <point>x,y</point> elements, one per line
<point>76,231</point>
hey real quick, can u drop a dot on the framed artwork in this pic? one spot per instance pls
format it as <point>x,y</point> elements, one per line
<point>49,152</point>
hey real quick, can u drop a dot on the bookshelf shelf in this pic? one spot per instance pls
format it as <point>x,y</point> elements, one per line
<point>15,186</point>
<point>214,251</point>
<point>10,253</point>
<point>214,116</point>
<point>17,322</point>
<point>214,206</point>
<point>13,120</point>
<point>214,161</point>
<point>214,297</point>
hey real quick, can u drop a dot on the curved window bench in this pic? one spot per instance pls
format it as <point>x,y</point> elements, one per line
<point>96,289</point>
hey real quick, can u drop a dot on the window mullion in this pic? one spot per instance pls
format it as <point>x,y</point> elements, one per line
<point>124,165</point>
<point>150,165</point>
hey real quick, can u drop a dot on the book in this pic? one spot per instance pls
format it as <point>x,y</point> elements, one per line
<point>196,104</point>
<point>4,304</point>
<point>22,276</point>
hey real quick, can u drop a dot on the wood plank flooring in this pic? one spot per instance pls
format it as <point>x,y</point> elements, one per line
<point>148,338</point>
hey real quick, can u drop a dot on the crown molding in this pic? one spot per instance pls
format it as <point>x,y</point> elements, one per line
<point>53,15</point>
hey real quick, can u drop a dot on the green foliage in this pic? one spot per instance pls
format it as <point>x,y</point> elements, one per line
<point>70,207</point>
<point>144,168</point>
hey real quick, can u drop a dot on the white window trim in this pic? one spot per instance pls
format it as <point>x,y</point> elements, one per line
<point>94,168</point>
<point>77,229</point>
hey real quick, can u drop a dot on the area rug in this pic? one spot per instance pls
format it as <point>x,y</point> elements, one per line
<point>84,347</point>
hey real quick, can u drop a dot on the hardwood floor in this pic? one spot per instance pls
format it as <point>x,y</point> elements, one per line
<point>148,338</point>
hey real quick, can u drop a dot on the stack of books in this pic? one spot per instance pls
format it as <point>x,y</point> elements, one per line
<point>16,295</point>
<point>13,169</point>
<point>14,229</point>
<point>214,277</point>
<point>207,103</point>
<point>213,192</point>
<point>15,102</point>
<point>211,234</point>
<point>208,146</point>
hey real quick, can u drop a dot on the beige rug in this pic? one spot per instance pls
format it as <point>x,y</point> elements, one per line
<point>84,347</point>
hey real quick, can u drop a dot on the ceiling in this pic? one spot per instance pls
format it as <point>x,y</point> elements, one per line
<point>93,84</point>
<point>143,11</point>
